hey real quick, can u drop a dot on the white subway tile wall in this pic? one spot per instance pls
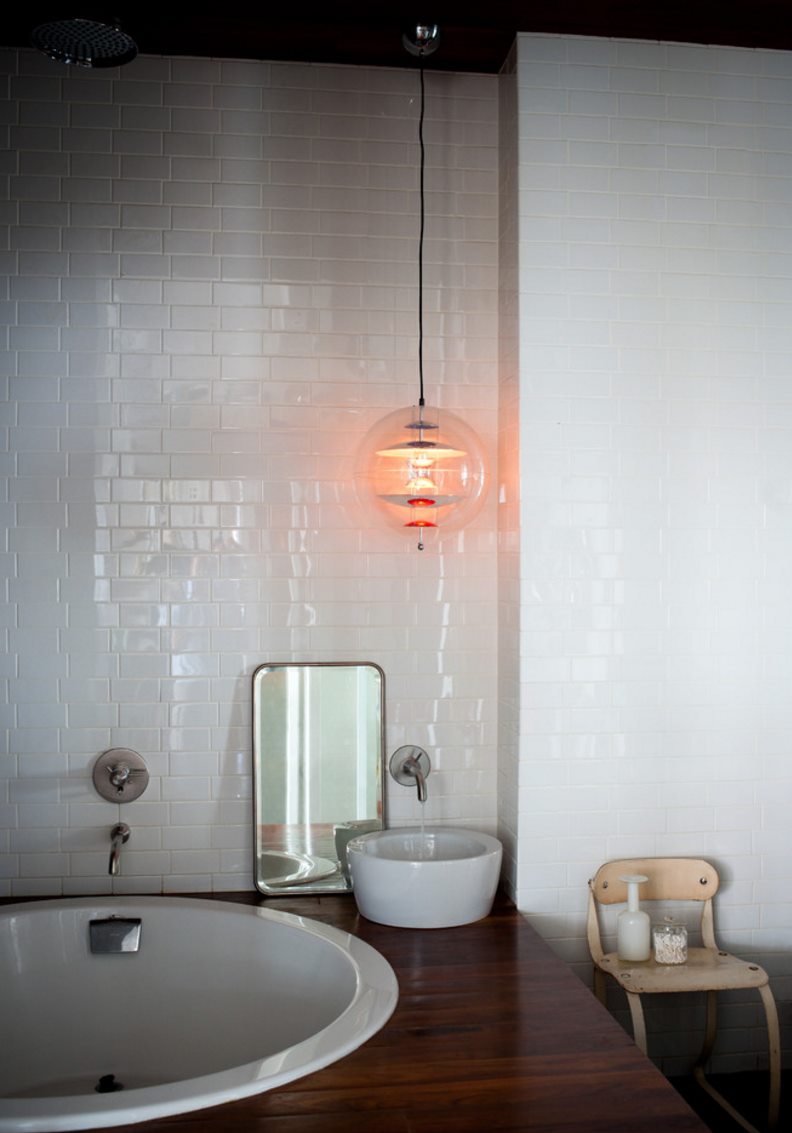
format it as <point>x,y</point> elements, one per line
<point>210,294</point>
<point>655,228</point>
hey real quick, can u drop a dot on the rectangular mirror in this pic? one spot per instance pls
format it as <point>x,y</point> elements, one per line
<point>318,753</point>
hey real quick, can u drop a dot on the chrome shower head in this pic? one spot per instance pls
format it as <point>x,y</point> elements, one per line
<point>421,39</point>
<point>85,43</point>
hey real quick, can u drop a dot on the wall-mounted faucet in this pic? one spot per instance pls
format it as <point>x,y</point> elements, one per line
<point>410,765</point>
<point>118,836</point>
<point>120,775</point>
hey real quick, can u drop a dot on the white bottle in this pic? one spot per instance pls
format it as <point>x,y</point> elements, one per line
<point>633,935</point>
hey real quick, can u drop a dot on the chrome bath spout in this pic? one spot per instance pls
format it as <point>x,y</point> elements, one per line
<point>118,835</point>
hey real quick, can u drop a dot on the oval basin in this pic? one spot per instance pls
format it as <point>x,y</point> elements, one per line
<point>436,878</point>
<point>220,1002</point>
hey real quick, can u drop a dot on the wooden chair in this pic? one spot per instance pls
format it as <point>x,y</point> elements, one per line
<point>708,969</point>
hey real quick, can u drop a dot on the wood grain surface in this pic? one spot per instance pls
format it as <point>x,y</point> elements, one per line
<point>492,1032</point>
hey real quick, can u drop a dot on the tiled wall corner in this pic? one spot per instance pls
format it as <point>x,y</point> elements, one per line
<point>508,481</point>
<point>655,289</point>
<point>210,293</point>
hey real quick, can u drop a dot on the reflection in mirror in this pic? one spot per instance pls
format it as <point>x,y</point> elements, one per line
<point>318,744</point>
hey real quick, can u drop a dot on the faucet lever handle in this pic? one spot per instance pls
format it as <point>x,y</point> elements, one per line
<point>120,775</point>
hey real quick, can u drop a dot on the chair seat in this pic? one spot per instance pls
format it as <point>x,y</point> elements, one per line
<point>706,970</point>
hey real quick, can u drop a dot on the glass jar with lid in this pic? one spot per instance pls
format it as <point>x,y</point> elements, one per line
<point>670,941</point>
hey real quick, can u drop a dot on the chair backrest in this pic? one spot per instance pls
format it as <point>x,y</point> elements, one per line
<point>670,879</point>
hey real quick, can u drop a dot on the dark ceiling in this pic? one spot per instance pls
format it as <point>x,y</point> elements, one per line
<point>475,37</point>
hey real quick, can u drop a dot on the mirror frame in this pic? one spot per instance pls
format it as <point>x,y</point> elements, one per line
<point>338,881</point>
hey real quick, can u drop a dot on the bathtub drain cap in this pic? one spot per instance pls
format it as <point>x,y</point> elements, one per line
<point>107,1085</point>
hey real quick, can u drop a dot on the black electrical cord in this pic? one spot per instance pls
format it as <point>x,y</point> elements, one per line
<point>421,401</point>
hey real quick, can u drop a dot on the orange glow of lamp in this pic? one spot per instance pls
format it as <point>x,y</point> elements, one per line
<point>419,469</point>
<point>422,470</point>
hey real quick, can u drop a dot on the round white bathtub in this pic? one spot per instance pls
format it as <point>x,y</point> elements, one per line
<point>221,1001</point>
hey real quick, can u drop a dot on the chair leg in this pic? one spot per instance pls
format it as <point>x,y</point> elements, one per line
<point>600,990</point>
<point>710,1030</point>
<point>775,1062</point>
<point>774,1049</point>
<point>638,1023</point>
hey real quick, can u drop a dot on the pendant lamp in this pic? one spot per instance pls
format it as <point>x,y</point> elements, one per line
<point>421,469</point>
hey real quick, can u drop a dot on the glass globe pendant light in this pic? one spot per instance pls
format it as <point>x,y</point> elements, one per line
<point>418,468</point>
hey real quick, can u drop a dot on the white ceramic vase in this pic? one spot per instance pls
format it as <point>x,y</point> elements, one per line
<point>633,930</point>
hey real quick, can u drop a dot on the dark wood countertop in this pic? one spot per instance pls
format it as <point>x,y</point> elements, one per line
<point>492,1032</point>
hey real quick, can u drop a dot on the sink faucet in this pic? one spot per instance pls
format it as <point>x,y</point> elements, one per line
<point>410,765</point>
<point>118,835</point>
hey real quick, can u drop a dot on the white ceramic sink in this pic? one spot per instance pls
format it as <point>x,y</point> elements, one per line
<point>437,878</point>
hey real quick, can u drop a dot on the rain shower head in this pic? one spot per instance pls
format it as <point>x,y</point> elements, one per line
<point>85,43</point>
